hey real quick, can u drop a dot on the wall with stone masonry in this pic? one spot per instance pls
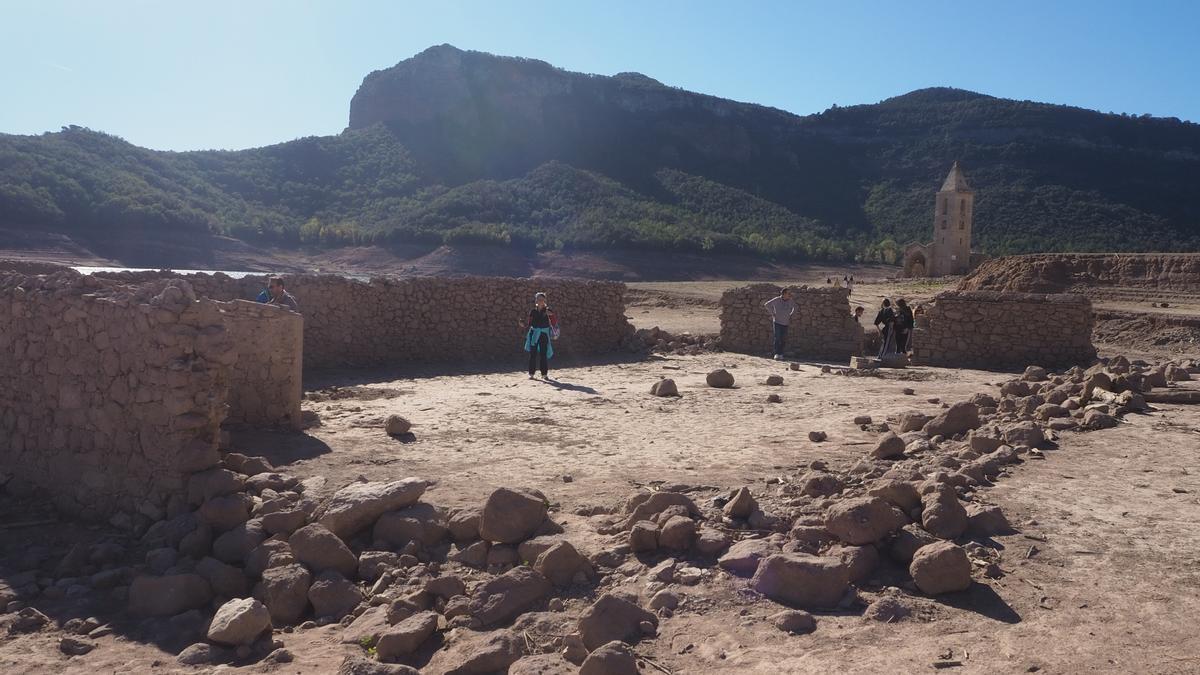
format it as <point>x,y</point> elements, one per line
<point>390,321</point>
<point>265,384</point>
<point>110,395</point>
<point>989,329</point>
<point>821,328</point>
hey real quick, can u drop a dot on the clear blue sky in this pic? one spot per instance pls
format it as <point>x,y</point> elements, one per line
<point>188,74</point>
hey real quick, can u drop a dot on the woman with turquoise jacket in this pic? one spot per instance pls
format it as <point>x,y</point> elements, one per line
<point>538,332</point>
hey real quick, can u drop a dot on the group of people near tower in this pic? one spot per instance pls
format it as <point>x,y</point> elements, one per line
<point>895,323</point>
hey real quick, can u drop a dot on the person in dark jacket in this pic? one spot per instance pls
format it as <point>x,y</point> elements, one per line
<point>885,321</point>
<point>537,336</point>
<point>904,326</point>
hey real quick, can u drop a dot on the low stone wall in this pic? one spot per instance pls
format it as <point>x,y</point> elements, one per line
<point>822,327</point>
<point>109,395</point>
<point>993,330</point>
<point>390,321</point>
<point>265,384</point>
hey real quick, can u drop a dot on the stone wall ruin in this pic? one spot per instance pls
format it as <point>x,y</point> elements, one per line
<point>391,321</point>
<point>111,395</point>
<point>992,330</point>
<point>265,383</point>
<point>822,327</point>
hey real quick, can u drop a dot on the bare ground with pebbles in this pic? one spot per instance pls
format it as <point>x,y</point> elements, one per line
<point>1101,576</point>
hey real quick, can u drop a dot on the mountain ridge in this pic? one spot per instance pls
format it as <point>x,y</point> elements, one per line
<point>459,146</point>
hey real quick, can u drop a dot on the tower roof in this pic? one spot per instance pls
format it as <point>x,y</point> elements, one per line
<point>955,181</point>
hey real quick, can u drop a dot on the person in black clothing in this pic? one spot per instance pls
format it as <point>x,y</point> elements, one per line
<point>885,321</point>
<point>904,326</point>
<point>537,336</point>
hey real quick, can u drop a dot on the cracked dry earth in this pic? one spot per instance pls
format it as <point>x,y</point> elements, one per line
<point>1101,575</point>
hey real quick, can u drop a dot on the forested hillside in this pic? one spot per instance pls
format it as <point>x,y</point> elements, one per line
<point>453,146</point>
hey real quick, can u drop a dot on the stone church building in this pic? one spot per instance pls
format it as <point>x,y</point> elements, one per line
<point>950,251</point>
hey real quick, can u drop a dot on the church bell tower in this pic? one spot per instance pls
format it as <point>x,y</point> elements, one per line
<point>953,212</point>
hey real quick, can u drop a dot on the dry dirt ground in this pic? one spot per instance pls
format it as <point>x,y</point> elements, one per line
<point>1101,577</point>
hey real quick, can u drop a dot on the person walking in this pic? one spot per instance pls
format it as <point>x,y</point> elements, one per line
<point>537,336</point>
<point>781,308</point>
<point>904,326</point>
<point>885,321</point>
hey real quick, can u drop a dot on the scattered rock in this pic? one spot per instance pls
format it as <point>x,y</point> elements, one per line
<point>613,617</point>
<point>987,520</point>
<point>794,621</point>
<point>862,419</point>
<point>942,567</point>
<point>741,505</point>
<point>396,425</point>
<point>817,436</point>
<point>913,421</point>
<point>943,516</point>
<point>406,637</point>
<point>73,646</point>
<point>774,380</point>
<point>168,595</point>
<point>464,525</point>
<point>561,562</point>
<point>320,549</point>
<point>508,595</point>
<point>801,580</point>
<point>612,658</point>
<point>677,533</point>
<point>907,541</point>
<point>959,418</point>
<point>284,590</point>
<point>333,596</point>
<point>664,387</point>
<point>890,446</point>
<point>512,516</point>
<point>357,505</point>
<point>356,664</point>
<point>239,622</point>
<point>774,398</point>
<point>719,379</point>
<point>485,653</point>
<point>864,520</point>
<point>887,609</point>
<point>201,654</point>
<point>423,523</point>
<point>744,557</point>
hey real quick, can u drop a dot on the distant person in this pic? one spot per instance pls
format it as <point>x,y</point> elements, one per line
<point>264,296</point>
<point>858,313</point>
<point>280,296</point>
<point>885,321</point>
<point>904,326</point>
<point>538,330</point>
<point>781,308</point>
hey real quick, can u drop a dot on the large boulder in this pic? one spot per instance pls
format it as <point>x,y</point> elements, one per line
<point>512,516</point>
<point>863,520</point>
<point>741,505</point>
<point>239,622</point>
<point>913,421</point>
<point>942,567</point>
<point>357,505</point>
<point>613,617</point>
<point>802,580</point>
<point>907,541</point>
<point>677,533</point>
<point>356,664</point>
<point>168,595</point>
<point>406,637</point>
<point>226,581</point>
<point>320,550</point>
<point>464,525</point>
<point>284,590</point>
<point>646,505</point>
<point>484,653</point>
<point>719,379</point>
<point>901,493</point>
<point>235,545</point>
<point>959,418</point>
<point>1024,433</point>
<point>226,512</point>
<point>987,520</point>
<point>508,595</point>
<point>396,425</point>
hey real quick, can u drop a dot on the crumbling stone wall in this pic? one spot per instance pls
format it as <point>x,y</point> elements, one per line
<point>988,329</point>
<point>389,321</point>
<point>109,394</point>
<point>1086,272</point>
<point>821,328</point>
<point>265,384</point>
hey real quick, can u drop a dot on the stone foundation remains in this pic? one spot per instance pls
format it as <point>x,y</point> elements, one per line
<point>391,321</point>
<point>1086,272</point>
<point>110,395</point>
<point>990,330</point>
<point>822,327</point>
<point>265,384</point>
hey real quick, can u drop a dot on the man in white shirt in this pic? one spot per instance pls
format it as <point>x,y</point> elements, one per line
<point>781,309</point>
